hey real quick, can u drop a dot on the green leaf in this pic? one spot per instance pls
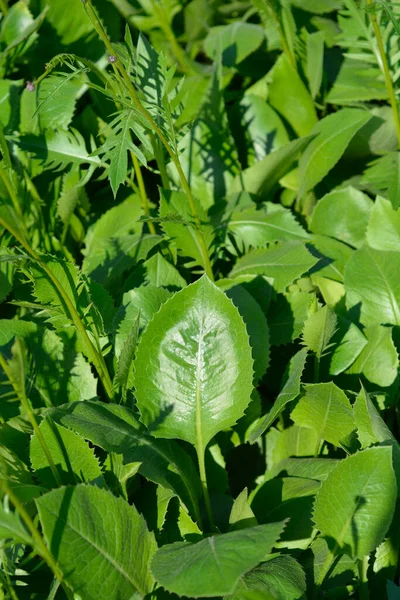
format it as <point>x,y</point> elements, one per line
<point>193,367</point>
<point>185,235</point>
<point>318,331</point>
<point>213,566</point>
<point>355,505</point>
<point>262,177</point>
<point>94,521</point>
<point>256,325</point>
<point>241,516</point>
<point>371,428</point>
<point>281,576</point>
<point>57,97</point>
<point>372,286</point>
<point>287,315</point>
<point>284,263</point>
<point>383,231</point>
<point>289,392</point>
<point>343,214</point>
<point>289,96</point>
<point>357,81</point>
<point>348,343</point>
<point>333,136</point>
<point>160,272</point>
<point>126,357</point>
<point>116,429</point>
<point>378,360</point>
<point>315,61</point>
<point>11,526</point>
<point>74,460</point>
<point>326,409</point>
<point>257,129</point>
<point>235,42</point>
<point>256,226</point>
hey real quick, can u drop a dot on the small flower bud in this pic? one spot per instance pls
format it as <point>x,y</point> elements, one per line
<point>112,59</point>
<point>30,86</point>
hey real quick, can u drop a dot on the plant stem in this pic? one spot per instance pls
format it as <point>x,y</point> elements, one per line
<point>386,71</point>
<point>20,391</point>
<point>9,186</point>
<point>95,356</point>
<point>180,56</point>
<point>142,191</point>
<point>285,45</point>
<point>316,369</point>
<point>203,479</point>
<point>363,577</point>
<point>120,70</point>
<point>4,6</point>
<point>37,538</point>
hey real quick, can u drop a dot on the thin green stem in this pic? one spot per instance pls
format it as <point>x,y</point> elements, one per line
<point>285,45</point>
<point>121,71</point>
<point>203,479</point>
<point>4,6</point>
<point>142,191</point>
<point>316,369</point>
<point>363,577</point>
<point>179,54</point>
<point>386,72</point>
<point>95,356</point>
<point>41,547</point>
<point>11,192</point>
<point>20,391</point>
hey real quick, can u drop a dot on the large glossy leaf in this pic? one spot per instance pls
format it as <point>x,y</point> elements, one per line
<point>333,135</point>
<point>383,231</point>
<point>116,429</point>
<point>373,287</point>
<point>91,523</point>
<point>378,360</point>
<point>318,330</point>
<point>355,505</point>
<point>284,263</point>
<point>193,367</point>
<point>213,566</point>
<point>289,96</point>
<point>343,214</point>
<point>326,409</point>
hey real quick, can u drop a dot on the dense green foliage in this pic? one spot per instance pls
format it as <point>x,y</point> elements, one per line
<point>200,287</point>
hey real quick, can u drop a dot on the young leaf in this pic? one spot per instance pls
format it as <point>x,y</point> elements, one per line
<point>241,516</point>
<point>333,135</point>
<point>193,367</point>
<point>383,231</point>
<point>126,357</point>
<point>289,392</point>
<point>318,331</point>
<point>326,409</point>
<point>284,262</point>
<point>213,566</point>
<point>11,526</point>
<point>355,505</point>
<point>371,428</point>
<point>94,521</point>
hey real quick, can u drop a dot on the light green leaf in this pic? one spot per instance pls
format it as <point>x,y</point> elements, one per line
<point>185,235</point>
<point>373,286</point>
<point>378,360</point>
<point>160,272</point>
<point>241,516</point>
<point>287,315</point>
<point>255,226</point>
<point>11,526</point>
<point>355,505</point>
<point>125,360</point>
<point>257,129</point>
<point>371,428</point>
<point>348,342</point>
<point>74,460</point>
<point>343,214</point>
<point>284,263</point>
<point>282,576</point>
<point>325,409</point>
<point>289,392</point>
<point>262,177</point>
<point>235,42</point>
<point>256,325</point>
<point>213,566</point>
<point>116,429</point>
<point>357,81</point>
<point>193,367</point>
<point>333,135</point>
<point>318,330</point>
<point>289,96</point>
<point>317,6</point>
<point>87,521</point>
<point>334,257</point>
<point>294,441</point>
<point>57,97</point>
<point>383,231</point>
<point>315,61</point>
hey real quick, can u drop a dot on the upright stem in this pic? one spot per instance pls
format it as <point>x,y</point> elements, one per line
<point>37,538</point>
<point>363,578</point>
<point>94,355</point>
<point>20,391</point>
<point>120,71</point>
<point>386,71</point>
<point>203,479</point>
<point>142,191</point>
<point>285,45</point>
